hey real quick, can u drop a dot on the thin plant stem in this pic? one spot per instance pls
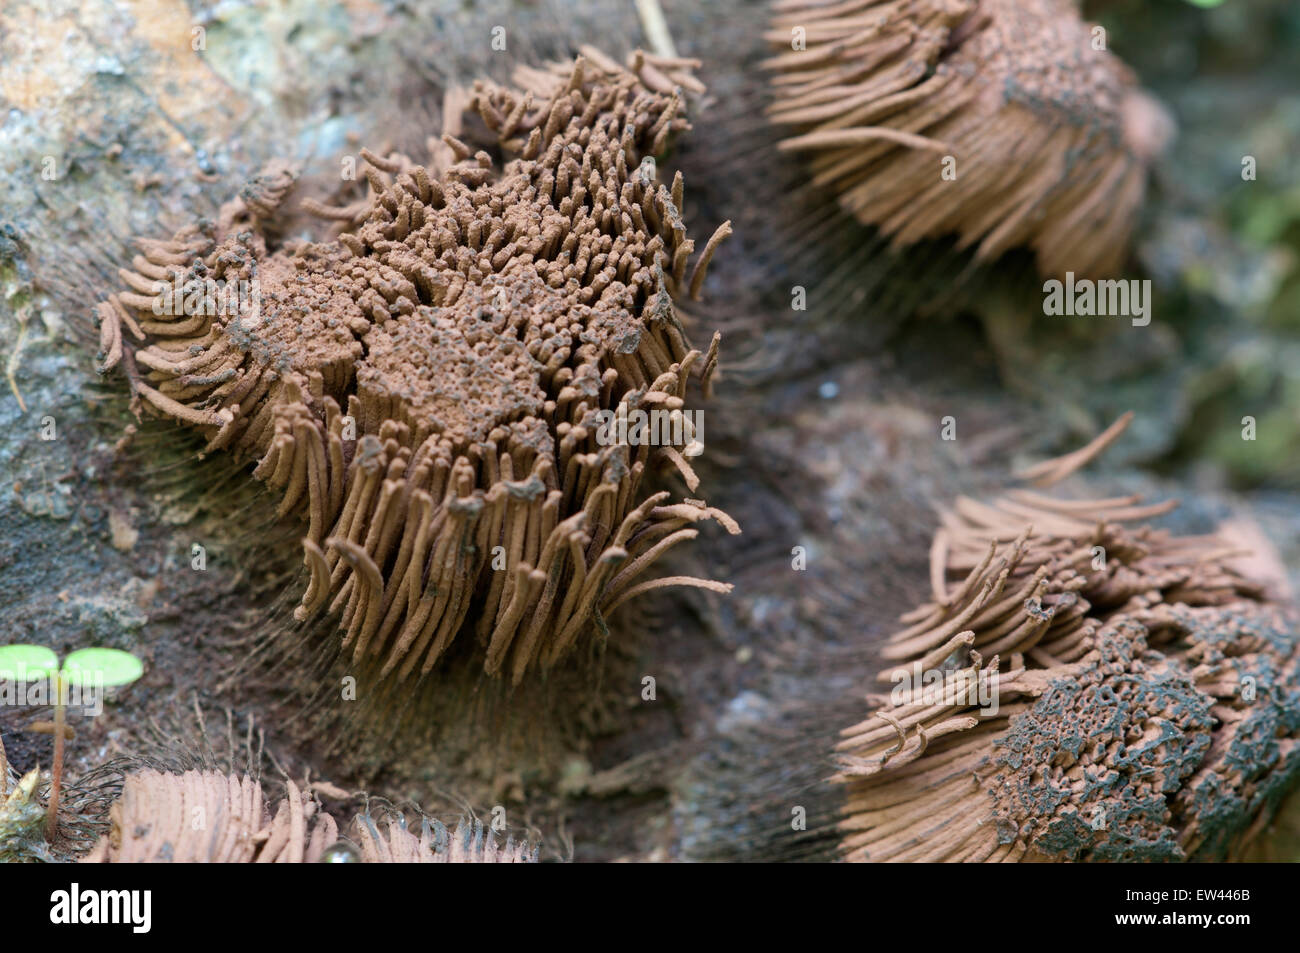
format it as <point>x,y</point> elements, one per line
<point>56,772</point>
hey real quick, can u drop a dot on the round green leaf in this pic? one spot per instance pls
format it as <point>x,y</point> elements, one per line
<point>27,662</point>
<point>106,667</point>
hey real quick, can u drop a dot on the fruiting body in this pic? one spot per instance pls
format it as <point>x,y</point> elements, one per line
<point>469,843</point>
<point>212,818</point>
<point>1090,690</point>
<point>1003,122</point>
<point>426,389</point>
<point>206,816</point>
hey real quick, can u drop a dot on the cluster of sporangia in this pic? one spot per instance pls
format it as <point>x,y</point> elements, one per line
<point>1004,122</point>
<point>211,817</point>
<point>1090,689</point>
<point>425,389</point>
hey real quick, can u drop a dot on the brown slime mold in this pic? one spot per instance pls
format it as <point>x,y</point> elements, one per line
<point>425,390</point>
<point>1091,688</point>
<point>1049,137</point>
<point>154,821</point>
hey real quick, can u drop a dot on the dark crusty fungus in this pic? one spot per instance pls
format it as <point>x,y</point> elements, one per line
<point>1091,689</point>
<point>1049,136</point>
<point>426,389</point>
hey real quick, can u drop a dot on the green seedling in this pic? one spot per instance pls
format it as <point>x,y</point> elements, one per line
<point>84,668</point>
